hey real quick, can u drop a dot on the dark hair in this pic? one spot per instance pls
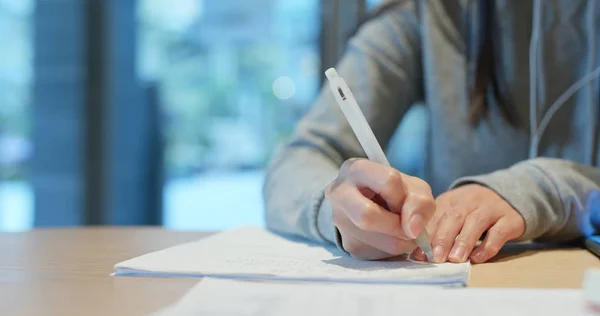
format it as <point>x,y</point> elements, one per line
<point>486,74</point>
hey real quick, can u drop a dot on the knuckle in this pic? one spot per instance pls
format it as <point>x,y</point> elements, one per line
<point>352,247</point>
<point>454,215</point>
<point>329,190</point>
<point>462,241</point>
<point>499,233</point>
<point>440,239</point>
<point>422,184</point>
<point>349,162</point>
<point>457,205</point>
<point>492,249</point>
<point>366,218</point>
<point>475,217</point>
<point>333,189</point>
<point>353,165</point>
<point>442,198</point>
<point>394,179</point>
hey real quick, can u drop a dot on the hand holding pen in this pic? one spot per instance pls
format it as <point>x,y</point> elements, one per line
<point>379,211</point>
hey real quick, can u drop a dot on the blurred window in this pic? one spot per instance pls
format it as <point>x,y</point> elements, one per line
<point>371,4</point>
<point>234,77</point>
<point>16,198</point>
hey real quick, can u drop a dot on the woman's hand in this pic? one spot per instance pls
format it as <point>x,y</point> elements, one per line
<point>463,215</point>
<point>378,210</point>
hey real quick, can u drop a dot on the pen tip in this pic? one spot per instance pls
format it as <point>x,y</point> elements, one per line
<point>429,256</point>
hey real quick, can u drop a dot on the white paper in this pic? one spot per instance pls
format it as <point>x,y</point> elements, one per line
<point>229,297</point>
<point>255,253</point>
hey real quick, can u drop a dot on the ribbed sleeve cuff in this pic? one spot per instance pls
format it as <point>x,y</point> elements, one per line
<point>325,225</point>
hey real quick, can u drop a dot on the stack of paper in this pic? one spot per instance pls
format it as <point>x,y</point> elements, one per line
<point>229,297</point>
<point>255,253</point>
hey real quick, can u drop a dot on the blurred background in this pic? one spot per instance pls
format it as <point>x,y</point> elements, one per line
<point>160,112</point>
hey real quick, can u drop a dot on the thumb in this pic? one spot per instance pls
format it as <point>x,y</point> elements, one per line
<point>417,211</point>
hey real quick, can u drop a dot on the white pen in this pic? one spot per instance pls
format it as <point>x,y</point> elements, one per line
<point>365,136</point>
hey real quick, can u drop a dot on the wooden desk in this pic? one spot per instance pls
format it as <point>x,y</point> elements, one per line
<point>66,272</point>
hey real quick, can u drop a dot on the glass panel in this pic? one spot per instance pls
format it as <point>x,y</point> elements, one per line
<point>234,77</point>
<point>16,197</point>
<point>371,4</point>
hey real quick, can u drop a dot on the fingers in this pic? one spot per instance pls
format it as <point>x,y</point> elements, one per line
<point>384,243</point>
<point>462,217</point>
<point>448,228</point>
<point>418,209</point>
<point>385,181</point>
<point>362,251</point>
<point>365,214</point>
<point>419,255</point>
<point>407,196</point>
<point>495,238</point>
<point>377,207</point>
<point>475,225</point>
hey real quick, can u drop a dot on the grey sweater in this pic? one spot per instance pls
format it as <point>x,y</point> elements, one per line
<point>417,53</point>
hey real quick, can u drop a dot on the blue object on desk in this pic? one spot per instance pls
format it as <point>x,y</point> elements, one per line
<point>592,243</point>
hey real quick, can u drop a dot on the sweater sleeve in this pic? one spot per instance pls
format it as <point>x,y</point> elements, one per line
<point>382,67</point>
<point>557,198</point>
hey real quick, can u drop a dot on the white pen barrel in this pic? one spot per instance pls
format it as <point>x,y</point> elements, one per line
<point>364,134</point>
<point>356,119</point>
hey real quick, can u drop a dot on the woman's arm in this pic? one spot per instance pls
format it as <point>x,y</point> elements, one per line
<point>541,199</point>
<point>557,198</point>
<point>382,66</point>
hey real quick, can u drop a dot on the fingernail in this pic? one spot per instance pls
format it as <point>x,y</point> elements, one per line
<point>458,253</point>
<point>416,226</point>
<point>438,254</point>
<point>416,255</point>
<point>420,254</point>
<point>478,257</point>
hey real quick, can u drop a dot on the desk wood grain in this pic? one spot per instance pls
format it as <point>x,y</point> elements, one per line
<point>66,271</point>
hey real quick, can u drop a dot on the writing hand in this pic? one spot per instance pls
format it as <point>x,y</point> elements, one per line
<point>378,210</point>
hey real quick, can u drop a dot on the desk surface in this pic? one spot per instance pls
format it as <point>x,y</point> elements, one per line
<point>66,272</point>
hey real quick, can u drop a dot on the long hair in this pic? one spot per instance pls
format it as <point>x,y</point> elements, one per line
<point>486,75</point>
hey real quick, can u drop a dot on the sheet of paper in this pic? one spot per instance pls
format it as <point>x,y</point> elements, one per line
<point>230,297</point>
<point>255,253</point>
